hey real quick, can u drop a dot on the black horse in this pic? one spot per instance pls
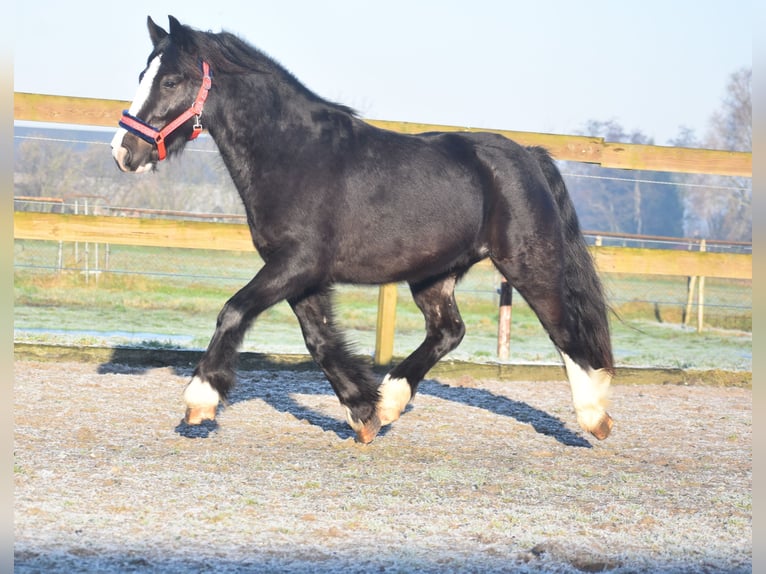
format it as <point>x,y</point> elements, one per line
<point>331,199</point>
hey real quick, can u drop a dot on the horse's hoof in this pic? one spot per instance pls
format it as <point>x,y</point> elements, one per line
<point>366,433</point>
<point>603,428</point>
<point>195,415</point>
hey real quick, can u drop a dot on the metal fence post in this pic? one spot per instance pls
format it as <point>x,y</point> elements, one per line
<point>504,321</point>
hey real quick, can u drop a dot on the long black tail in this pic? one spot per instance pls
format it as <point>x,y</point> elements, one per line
<point>586,305</point>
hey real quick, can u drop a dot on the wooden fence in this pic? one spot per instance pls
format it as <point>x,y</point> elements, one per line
<point>236,237</point>
<point>96,112</point>
<point>229,236</point>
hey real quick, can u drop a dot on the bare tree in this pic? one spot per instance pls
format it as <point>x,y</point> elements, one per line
<point>731,127</point>
<point>55,163</point>
<point>44,168</point>
<point>619,200</point>
<point>722,208</point>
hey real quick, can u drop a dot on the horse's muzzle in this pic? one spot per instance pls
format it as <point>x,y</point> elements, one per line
<point>132,158</point>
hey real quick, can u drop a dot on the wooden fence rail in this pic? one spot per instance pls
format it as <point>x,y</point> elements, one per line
<point>96,112</point>
<point>236,237</point>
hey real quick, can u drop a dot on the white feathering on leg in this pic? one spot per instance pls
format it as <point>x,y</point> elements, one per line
<point>394,396</point>
<point>589,392</point>
<point>355,425</point>
<point>200,393</point>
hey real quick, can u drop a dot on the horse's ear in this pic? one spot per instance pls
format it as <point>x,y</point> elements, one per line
<point>156,33</point>
<point>179,33</point>
<point>176,27</point>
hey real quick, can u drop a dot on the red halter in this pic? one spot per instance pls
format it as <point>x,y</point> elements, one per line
<point>157,137</point>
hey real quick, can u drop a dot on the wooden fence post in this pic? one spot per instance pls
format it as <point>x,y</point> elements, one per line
<point>504,321</point>
<point>384,332</point>
<point>701,294</point>
<point>691,282</point>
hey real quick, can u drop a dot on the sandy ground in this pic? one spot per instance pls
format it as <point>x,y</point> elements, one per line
<point>478,476</point>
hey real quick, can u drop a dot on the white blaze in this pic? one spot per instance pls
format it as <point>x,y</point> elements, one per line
<point>142,94</point>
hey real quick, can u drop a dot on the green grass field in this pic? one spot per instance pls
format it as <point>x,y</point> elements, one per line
<point>171,297</point>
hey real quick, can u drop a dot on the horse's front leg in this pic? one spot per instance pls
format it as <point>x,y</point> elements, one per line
<point>214,376</point>
<point>444,331</point>
<point>350,377</point>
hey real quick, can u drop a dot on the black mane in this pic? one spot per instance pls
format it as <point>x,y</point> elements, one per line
<point>228,53</point>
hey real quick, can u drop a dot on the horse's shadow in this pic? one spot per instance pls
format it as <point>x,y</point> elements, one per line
<point>281,399</point>
<point>543,422</point>
<point>263,382</point>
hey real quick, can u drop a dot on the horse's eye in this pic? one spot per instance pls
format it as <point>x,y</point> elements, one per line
<point>169,84</point>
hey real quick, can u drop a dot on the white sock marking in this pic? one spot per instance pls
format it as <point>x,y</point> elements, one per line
<point>200,393</point>
<point>142,94</point>
<point>394,396</point>
<point>589,392</point>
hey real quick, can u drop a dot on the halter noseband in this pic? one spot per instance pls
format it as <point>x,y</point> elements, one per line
<point>157,137</point>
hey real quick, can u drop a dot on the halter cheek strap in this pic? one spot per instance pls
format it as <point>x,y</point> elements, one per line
<point>157,137</point>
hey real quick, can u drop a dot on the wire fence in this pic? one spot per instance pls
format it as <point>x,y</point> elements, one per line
<point>123,295</point>
<point>723,297</point>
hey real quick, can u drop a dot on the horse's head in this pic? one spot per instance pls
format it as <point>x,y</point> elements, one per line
<point>171,93</point>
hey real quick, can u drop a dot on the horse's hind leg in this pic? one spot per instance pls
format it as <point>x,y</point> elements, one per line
<point>540,285</point>
<point>444,331</point>
<point>351,378</point>
<point>590,389</point>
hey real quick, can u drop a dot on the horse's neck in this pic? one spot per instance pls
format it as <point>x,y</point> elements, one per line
<point>254,136</point>
<point>247,121</point>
